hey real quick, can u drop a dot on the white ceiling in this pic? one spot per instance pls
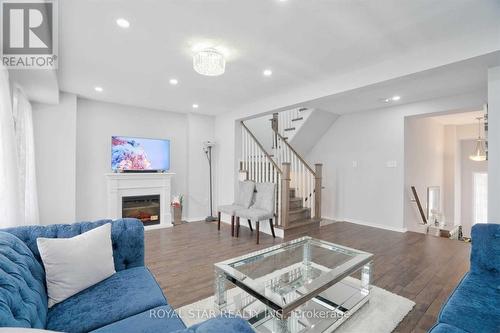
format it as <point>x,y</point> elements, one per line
<point>462,118</point>
<point>40,85</point>
<point>304,42</point>
<point>455,79</point>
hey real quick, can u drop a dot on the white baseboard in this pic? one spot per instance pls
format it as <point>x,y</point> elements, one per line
<point>157,226</point>
<point>194,219</point>
<point>368,224</point>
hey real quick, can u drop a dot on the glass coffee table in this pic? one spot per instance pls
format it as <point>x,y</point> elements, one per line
<point>304,285</point>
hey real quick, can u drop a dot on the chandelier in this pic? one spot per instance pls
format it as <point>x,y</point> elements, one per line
<point>209,62</point>
<point>479,153</point>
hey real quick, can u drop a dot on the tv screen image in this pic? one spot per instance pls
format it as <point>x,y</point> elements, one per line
<point>128,154</point>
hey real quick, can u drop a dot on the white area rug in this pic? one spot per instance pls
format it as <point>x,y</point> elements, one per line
<point>381,314</point>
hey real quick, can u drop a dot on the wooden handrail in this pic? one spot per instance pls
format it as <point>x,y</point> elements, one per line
<point>261,148</point>
<point>285,195</point>
<point>293,150</point>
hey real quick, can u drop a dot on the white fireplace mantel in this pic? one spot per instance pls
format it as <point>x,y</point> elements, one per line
<point>134,184</point>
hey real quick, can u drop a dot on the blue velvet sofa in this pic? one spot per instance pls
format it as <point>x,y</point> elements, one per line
<point>128,301</point>
<point>474,305</point>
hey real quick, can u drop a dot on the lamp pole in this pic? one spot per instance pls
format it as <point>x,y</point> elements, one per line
<point>208,152</point>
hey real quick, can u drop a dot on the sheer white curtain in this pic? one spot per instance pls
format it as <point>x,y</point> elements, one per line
<point>480,205</point>
<point>10,213</point>
<point>25,143</point>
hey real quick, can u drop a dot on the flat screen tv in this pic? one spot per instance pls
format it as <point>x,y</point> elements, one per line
<point>139,154</point>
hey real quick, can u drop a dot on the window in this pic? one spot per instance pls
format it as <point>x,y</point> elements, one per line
<point>480,204</point>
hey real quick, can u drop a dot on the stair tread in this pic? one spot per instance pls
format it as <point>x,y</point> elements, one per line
<point>298,210</point>
<point>300,223</point>
<point>297,119</point>
<point>296,199</point>
<point>290,129</point>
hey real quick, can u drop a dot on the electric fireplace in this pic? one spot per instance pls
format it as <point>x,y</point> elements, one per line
<point>143,207</point>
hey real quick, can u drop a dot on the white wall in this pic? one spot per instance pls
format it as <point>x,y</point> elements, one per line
<point>424,165</point>
<point>315,124</point>
<point>73,144</point>
<point>200,129</point>
<point>450,170</point>
<point>55,144</point>
<point>370,192</point>
<point>494,145</point>
<point>96,123</point>
<point>261,129</point>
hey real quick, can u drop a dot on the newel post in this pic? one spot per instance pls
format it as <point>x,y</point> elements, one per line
<point>243,174</point>
<point>274,127</point>
<point>317,190</point>
<point>285,193</point>
<point>274,122</point>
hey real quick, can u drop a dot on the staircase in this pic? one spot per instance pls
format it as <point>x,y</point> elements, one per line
<point>298,215</point>
<point>298,190</point>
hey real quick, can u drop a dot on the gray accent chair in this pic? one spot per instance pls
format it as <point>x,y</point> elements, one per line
<point>244,198</point>
<point>262,209</point>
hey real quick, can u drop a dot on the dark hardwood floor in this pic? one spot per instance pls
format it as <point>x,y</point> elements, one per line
<point>422,268</point>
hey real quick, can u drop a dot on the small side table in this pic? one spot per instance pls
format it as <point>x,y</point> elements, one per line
<point>446,231</point>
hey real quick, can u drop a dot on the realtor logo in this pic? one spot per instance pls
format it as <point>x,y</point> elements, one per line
<point>29,34</point>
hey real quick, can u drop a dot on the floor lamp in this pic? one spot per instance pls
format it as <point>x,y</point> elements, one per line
<point>207,148</point>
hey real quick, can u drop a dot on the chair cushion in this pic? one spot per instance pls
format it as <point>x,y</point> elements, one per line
<point>264,198</point>
<point>160,319</point>
<point>23,299</point>
<point>474,305</point>
<point>229,209</point>
<point>445,328</point>
<point>254,214</point>
<point>122,295</point>
<point>245,193</point>
<point>127,237</point>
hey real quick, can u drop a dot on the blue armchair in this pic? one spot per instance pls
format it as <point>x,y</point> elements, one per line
<point>128,301</point>
<point>474,305</point>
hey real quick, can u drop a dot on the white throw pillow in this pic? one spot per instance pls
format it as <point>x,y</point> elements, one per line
<point>74,264</point>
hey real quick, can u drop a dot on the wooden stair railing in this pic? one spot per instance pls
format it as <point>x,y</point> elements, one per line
<point>306,181</point>
<point>256,164</point>
<point>287,169</point>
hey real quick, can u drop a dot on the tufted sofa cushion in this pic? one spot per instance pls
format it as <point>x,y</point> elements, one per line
<point>120,296</point>
<point>127,236</point>
<point>23,299</point>
<point>485,253</point>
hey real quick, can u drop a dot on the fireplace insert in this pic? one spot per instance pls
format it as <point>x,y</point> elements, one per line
<point>143,207</point>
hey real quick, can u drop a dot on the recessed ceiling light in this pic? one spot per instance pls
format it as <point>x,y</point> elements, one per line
<point>267,72</point>
<point>394,98</point>
<point>195,106</point>
<point>173,82</point>
<point>98,89</point>
<point>123,23</point>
